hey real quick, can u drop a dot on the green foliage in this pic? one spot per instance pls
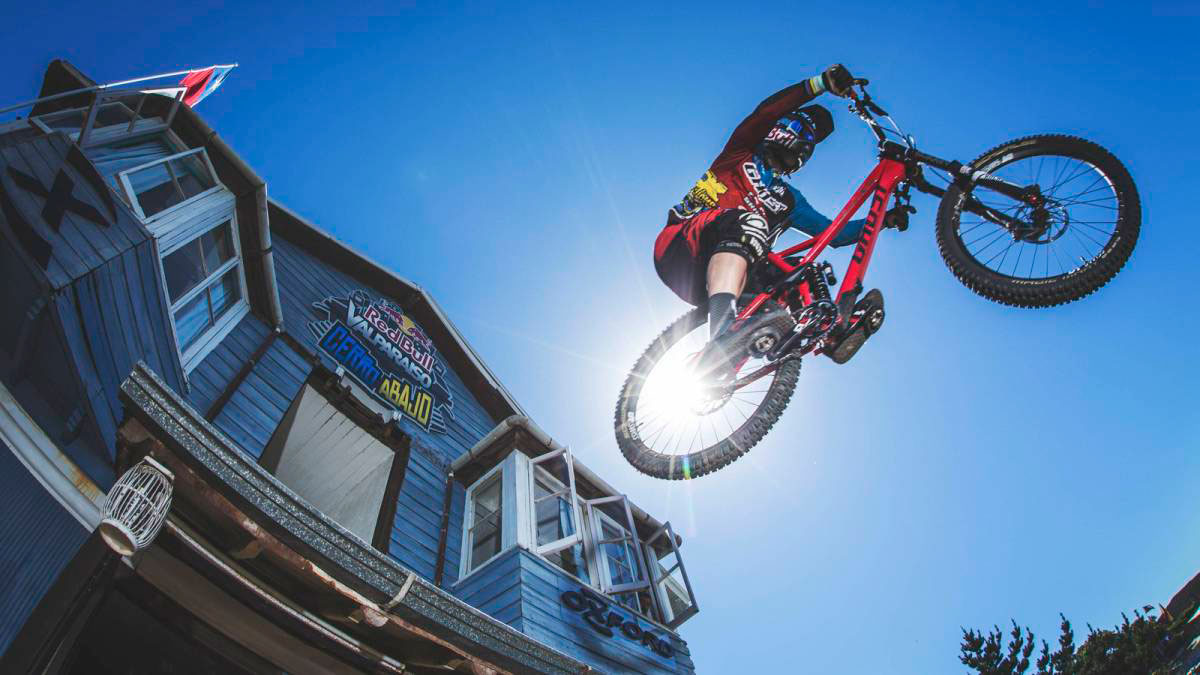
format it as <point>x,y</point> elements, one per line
<point>1145,645</point>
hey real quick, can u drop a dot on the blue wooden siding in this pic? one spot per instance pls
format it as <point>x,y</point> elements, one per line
<point>458,501</point>
<point>495,589</point>
<point>78,245</point>
<point>40,538</point>
<point>105,305</point>
<point>524,591</point>
<point>547,620</point>
<point>119,312</point>
<point>418,519</point>
<point>417,526</point>
<point>260,402</point>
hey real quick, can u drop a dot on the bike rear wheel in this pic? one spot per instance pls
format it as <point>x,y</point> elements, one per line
<point>667,429</point>
<point>1063,251</point>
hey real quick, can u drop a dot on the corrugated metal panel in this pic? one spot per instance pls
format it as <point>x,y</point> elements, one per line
<point>37,539</point>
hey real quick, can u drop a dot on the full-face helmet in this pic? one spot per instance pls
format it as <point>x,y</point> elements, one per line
<point>789,144</point>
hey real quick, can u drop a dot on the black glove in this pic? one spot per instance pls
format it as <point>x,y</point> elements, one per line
<point>837,80</point>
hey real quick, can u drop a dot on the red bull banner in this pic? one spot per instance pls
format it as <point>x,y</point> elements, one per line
<point>387,353</point>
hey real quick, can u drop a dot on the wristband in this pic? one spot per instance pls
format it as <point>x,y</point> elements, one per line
<point>817,84</point>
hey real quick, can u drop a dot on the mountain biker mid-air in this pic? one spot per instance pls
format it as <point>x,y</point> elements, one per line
<point>1036,221</point>
<point>728,221</point>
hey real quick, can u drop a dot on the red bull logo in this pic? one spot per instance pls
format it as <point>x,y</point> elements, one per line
<point>388,353</point>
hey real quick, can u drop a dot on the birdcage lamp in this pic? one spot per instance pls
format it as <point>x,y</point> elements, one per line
<point>136,507</point>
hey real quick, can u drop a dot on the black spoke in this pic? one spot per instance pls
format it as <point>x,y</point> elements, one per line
<point>990,234</point>
<point>1093,227</point>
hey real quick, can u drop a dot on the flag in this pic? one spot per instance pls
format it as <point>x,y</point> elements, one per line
<point>201,83</point>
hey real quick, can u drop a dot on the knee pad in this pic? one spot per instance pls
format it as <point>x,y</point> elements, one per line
<point>744,233</point>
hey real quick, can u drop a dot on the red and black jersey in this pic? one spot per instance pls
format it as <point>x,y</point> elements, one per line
<point>736,178</point>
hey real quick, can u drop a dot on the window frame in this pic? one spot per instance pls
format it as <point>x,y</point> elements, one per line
<point>181,224</point>
<point>670,619</point>
<point>131,196</point>
<point>137,125</point>
<point>175,238</point>
<point>596,517</point>
<point>465,568</point>
<point>576,511</point>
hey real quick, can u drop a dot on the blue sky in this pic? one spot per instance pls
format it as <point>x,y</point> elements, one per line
<point>973,463</point>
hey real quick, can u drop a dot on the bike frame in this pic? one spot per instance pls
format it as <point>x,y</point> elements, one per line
<point>881,184</point>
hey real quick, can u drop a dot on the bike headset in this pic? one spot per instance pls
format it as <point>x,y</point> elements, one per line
<point>789,144</point>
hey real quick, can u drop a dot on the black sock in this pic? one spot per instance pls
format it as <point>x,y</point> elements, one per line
<point>721,311</point>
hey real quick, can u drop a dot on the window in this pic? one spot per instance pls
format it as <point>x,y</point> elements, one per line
<point>204,282</point>
<point>168,183</point>
<point>556,516</point>
<point>670,580</point>
<point>330,459</point>
<point>618,555</point>
<point>191,214</point>
<point>113,158</point>
<point>113,120</point>
<point>484,532</point>
<point>533,502</point>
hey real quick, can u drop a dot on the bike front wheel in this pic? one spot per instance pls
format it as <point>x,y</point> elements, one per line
<point>1062,250</point>
<point>668,425</point>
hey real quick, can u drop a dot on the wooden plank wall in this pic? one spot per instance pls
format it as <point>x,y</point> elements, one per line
<point>548,621</point>
<point>79,245</point>
<point>495,589</point>
<point>118,312</point>
<point>107,303</point>
<point>103,323</point>
<point>255,410</point>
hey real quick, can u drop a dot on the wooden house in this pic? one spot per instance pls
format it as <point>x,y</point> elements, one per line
<point>231,443</point>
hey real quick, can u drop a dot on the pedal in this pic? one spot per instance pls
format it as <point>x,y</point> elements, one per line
<point>869,322</point>
<point>764,340</point>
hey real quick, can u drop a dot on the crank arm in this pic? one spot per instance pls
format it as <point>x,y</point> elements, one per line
<point>757,374</point>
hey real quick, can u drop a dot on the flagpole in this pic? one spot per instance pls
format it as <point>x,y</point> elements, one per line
<point>101,87</point>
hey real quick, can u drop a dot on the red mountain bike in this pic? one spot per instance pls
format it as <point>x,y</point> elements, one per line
<point>1035,222</point>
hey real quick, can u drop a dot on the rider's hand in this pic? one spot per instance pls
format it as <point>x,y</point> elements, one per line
<point>837,80</point>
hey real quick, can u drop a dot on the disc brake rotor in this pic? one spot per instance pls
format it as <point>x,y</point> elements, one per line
<point>1040,224</point>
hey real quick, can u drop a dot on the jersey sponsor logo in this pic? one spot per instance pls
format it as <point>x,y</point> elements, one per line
<point>707,190</point>
<point>761,192</point>
<point>386,352</point>
<point>703,195</point>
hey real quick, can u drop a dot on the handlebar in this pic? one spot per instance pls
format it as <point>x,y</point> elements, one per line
<point>866,109</point>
